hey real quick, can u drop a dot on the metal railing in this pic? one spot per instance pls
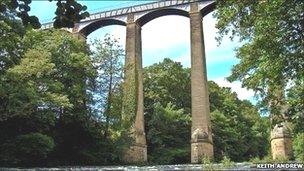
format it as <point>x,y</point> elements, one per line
<point>131,9</point>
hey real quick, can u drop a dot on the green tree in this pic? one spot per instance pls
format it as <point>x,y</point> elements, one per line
<point>238,130</point>
<point>67,13</point>
<point>272,53</point>
<point>48,89</point>
<point>272,56</point>
<point>11,50</point>
<point>27,150</point>
<point>74,74</point>
<point>107,104</point>
<point>161,82</point>
<point>298,143</point>
<point>34,86</point>
<point>296,102</point>
<point>169,129</point>
<point>47,84</point>
<point>107,57</point>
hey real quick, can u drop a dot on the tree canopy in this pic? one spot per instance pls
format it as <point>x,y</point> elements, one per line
<point>67,13</point>
<point>238,130</point>
<point>272,56</point>
<point>47,116</point>
<point>61,103</point>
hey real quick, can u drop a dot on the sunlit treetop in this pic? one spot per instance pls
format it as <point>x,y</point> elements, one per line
<point>67,13</point>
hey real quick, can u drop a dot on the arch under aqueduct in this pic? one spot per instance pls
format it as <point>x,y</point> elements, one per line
<point>134,18</point>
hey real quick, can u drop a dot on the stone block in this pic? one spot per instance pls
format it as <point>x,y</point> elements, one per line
<point>136,154</point>
<point>199,150</point>
<point>281,142</point>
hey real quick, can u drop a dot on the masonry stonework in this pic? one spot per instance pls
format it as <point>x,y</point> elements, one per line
<point>133,93</point>
<point>281,142</point>
<point>201,136</point>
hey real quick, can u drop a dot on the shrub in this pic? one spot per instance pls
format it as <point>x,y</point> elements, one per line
<point>298,147</point>
<point>208,164</point>
<point>27,150</point>
<point>227,163</point>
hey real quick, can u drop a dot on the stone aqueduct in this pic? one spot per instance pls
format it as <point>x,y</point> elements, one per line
<point>134,18</point>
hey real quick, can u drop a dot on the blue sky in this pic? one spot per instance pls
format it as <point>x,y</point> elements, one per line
<point>172,40</point>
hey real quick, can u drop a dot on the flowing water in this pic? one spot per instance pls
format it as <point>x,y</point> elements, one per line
<point>185,167</point>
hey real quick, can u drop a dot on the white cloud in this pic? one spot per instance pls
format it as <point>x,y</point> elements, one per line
<point>166,32</point>
<point>236,86</point>
<point>170,31</point>
<point>209,32</point>
<point>119,33</point>
<point>170,35</point>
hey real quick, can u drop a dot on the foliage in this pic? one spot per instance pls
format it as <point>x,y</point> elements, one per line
<point>165,144</point>
<point>42,80</point>
<point>298,146</point>
<point>129,102</point>
<point>11,50</point>
<point>27,150</point>
<point>162,81</point>
<point>271,58</point>
<point>32,79</point>
<point>274,33</point>
<point>238,130</point>
<point>11,33</point>
<point>208,164</point>
<point>107,57</point>
<point>296,102</point>
<point>167,113</point>
<point>255,160</point>
<point>227,163</point>
<point>47,90</point>
<point>48,110</point>
<point>67,13</point>
<point>51,91</point>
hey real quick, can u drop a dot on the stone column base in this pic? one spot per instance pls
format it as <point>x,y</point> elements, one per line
<point>281,142</point>
<point>136,154</point>
<point>281,148</point>
<point>199,150</point>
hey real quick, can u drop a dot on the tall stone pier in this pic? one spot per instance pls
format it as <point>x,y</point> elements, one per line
<point>133,108</point>
<point>201,137</point>
<point>135,17</point>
